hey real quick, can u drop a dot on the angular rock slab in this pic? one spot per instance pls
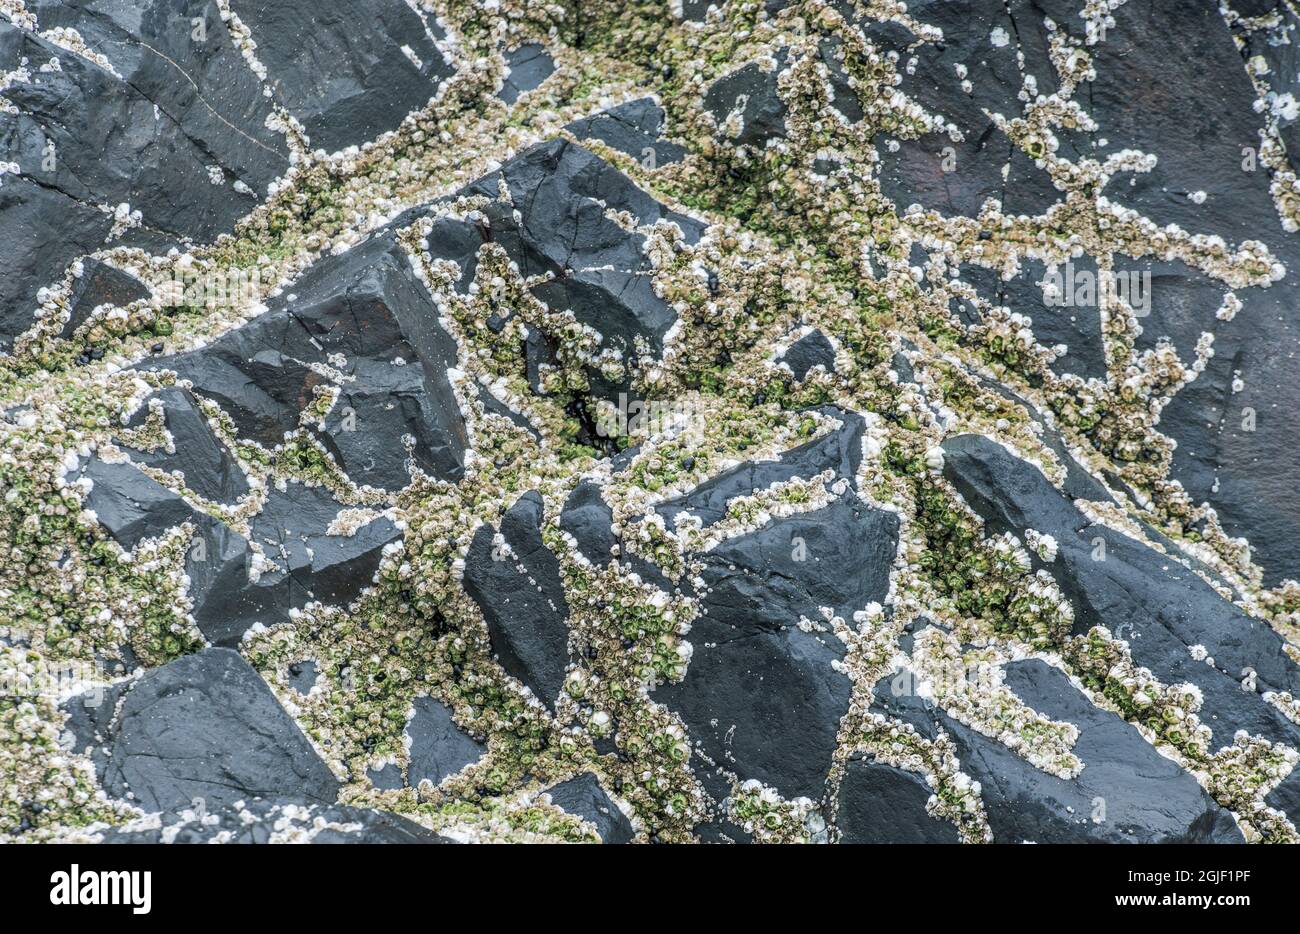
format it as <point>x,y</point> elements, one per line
<point>880,803</point>
<point>526,67</point>
<point>761,696</point>
<point>100,284</point>
<point>203,460</point>
<point>635,128</point>
<point>204,727</point>
<point>839,451</point>
<point>438,747</point>
<point>561,193</point>
<point>1161,608</point>
<point>347,78</point>
<point>180,56</point>
<point>304,561</point>
<point>1126,793</point>
<point>584,797</point>
<point>113,148</point>
<point>365,315</point>
<point>519,590</point>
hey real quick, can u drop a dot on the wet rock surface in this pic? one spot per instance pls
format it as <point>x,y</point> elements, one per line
<point>202,727</point>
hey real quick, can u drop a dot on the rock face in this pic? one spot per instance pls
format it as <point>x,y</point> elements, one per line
<point>1126,793</point>
<point>762,695</point>
<point>1163,608</point>
<point>557,221</point>
<point>583,797</point>
<point>365,536</point>
<point>366,317</point>
<point>202,727</point>
<point>438,747</point>
<point>880,803</point>
<point>516,582</point>
<point>347,79</point>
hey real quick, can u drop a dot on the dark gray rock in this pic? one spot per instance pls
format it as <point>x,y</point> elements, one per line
<point>522,598</point>
<point>561,193</point>
<point>439,748</point>
<point>880,803</point>
<point>129,505</point>
<point>1286,796</point>
<point>1126,793</point>
<point>203,460</point>
<point>760,697</point>
<point>111,147</point>
<point>100,284</point>
<point>389,778</point>
<point>754,88</point>
<point>1157,605</point>
<point>202,727</point>
<point>312,564</point>
<point>1063,306</point>
<point>367,306</point>
<point>1079,483</point>
<point>955,177</point>
<point>584,797</point>
<point>811,350</point>
<point>527,67</point>
<point>44,230</point>
<point>345,77</point>
<point>635,128</point>
<point>302,676</point>
<point>225,601</point>
<point>839,451</point>
<point>1163,60</point>
<point>193,73</point>
<point>763,114</point>
<point>588,518</point>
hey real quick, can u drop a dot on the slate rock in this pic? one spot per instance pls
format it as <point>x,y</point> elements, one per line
<point>1286,796</point>
<point>584,797</point>
<point>839,451</point>
<point>311,564</point>
<point>753,90</point>
<point>194,74</point>
<point>347,78</point>
<point>44,230</point>
<point>761,697</point>
<point>881,803</point>
<point>100,284</point>
<point>560,193</point>
<point>389,778</point>
<point>588,518</point>
<point>522,599</point>
<point>225,601</point>
<point>204,727</point>
<point>1147,798</point>
<point>527,67</point>
<point>111,147</point>
<point>438,747</point>
<point>302,676</point>
<point>1161,608</point>
<point>208,467</point>
<point>366,307</point>
<point>130,505</point>
<point>1163,60</point>
<point>635,128</point>
<point>811,350</point>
